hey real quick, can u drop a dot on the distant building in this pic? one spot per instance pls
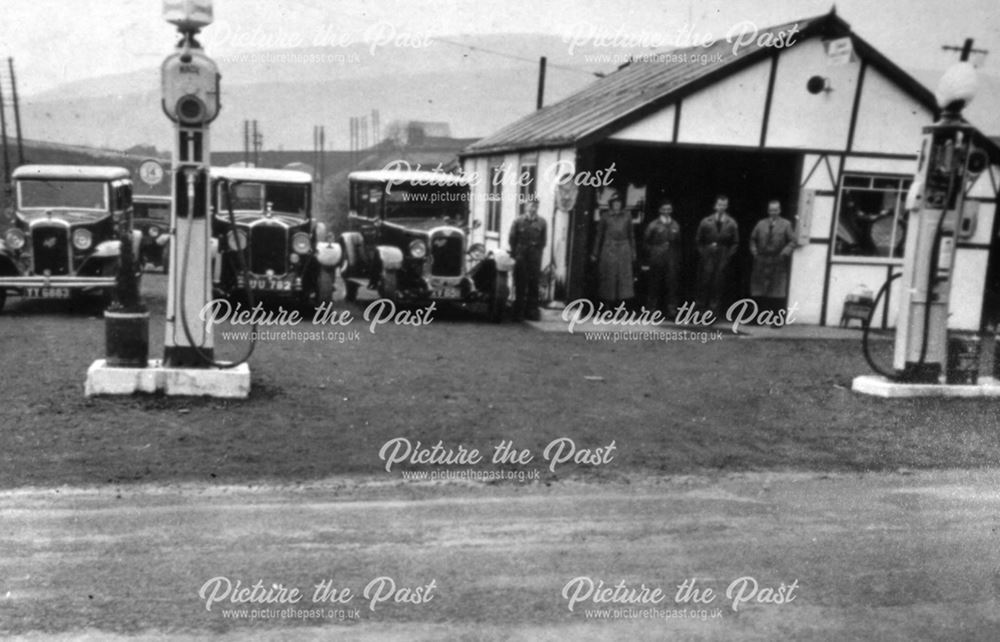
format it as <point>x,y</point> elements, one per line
<point>825,123</point>
<point>415,132</point>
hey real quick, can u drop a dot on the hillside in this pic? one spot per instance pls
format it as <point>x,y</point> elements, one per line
<point>288,91</point>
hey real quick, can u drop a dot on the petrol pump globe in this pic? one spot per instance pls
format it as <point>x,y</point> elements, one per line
<point>957,87</point>
<point>188,15</point>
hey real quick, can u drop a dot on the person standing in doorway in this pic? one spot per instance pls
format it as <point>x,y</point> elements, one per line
<point>771,244</point>
<point>527,241</point>
<point>614,252</point>
<point>661,243</point>
<point>717,238</point>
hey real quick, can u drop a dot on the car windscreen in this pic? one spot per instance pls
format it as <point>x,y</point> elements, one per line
<point>52,194</point>
<point>286,198</point>
<point>430,201</point>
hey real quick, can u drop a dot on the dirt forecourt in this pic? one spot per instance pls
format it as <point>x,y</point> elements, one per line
<point>326,406</point>
<point>715,461</point>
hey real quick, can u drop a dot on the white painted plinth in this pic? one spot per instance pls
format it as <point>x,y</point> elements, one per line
<point>879,386</point>
<point>233,383</point>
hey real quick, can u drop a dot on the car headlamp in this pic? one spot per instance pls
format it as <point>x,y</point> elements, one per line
<point>418,249</point>
<point>82,239</point>
<point>154,231</point>
<point>14,238</point>
<point>301,243</point>
<point>236,240</point>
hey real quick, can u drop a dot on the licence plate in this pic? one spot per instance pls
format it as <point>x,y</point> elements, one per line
<point>447,293</point>
<point>47,293</point>
<point>276,285</point>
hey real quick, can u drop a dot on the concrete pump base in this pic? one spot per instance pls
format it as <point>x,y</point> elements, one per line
<point>230,383</point>
<point>879,386</point>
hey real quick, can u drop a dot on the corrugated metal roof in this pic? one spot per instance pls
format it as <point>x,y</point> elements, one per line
<point>650,82</point>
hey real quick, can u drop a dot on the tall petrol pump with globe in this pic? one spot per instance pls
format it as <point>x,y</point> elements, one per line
<point>937,217</point>
<point>190,99</point>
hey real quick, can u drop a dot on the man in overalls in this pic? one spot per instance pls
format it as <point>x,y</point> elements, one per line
<point>718,238</point>
<point>527,241</point>
<point>771,243</point>
<point>661,241</point>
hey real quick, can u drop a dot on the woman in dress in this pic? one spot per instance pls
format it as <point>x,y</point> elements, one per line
<point>614,252</point>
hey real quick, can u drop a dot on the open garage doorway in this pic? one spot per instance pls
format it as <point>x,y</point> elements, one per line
<point>691,177</point>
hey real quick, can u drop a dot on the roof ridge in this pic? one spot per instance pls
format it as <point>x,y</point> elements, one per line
<point>759,31</point>
<point>632,87</point>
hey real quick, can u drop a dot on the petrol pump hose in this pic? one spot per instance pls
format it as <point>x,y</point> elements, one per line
<point>243,267</point>
<point>868,324</point>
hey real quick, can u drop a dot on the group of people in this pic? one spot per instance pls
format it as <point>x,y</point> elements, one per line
<point>616,253</point>
<point>717,239</point>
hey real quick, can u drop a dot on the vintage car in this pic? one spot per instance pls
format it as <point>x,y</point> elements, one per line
<point>65,235</point>
<point>408,238</point>
<point>285,253</point>
<point>152,219</point>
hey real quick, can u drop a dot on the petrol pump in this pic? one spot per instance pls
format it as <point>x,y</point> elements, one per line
<point>947,164</point>
<point>935,202</point>
<point>191,100</point>
<point>190,83</point>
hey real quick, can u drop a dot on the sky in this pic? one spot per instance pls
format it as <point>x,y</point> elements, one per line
<point>58,41</point>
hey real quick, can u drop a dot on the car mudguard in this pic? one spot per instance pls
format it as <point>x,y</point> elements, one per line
<point>503,260</point>
<point>107,249</point>
<point>328,254</point>
<point>352,245</point>
<point>390,257</point>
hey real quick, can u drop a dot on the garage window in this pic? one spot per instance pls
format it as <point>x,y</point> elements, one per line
<point>527,178</point>
<point>495,198</point>
<point>872,221</point>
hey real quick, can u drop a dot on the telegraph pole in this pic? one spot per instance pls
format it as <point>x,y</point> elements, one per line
<point>322,164</point>
<point>319,151</point>
<point>966,49</point>
<point>354,139</point>
<point>541,83</point>
<point>3,134</point>
<point>257,139</point>
<point>17,112</point>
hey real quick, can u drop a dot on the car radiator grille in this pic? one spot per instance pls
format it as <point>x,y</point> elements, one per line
<point>268,249</point>
<point>447,255</point>
<point>50,246</point>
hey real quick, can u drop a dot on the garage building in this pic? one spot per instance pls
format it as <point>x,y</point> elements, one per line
<point>808,113</point>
